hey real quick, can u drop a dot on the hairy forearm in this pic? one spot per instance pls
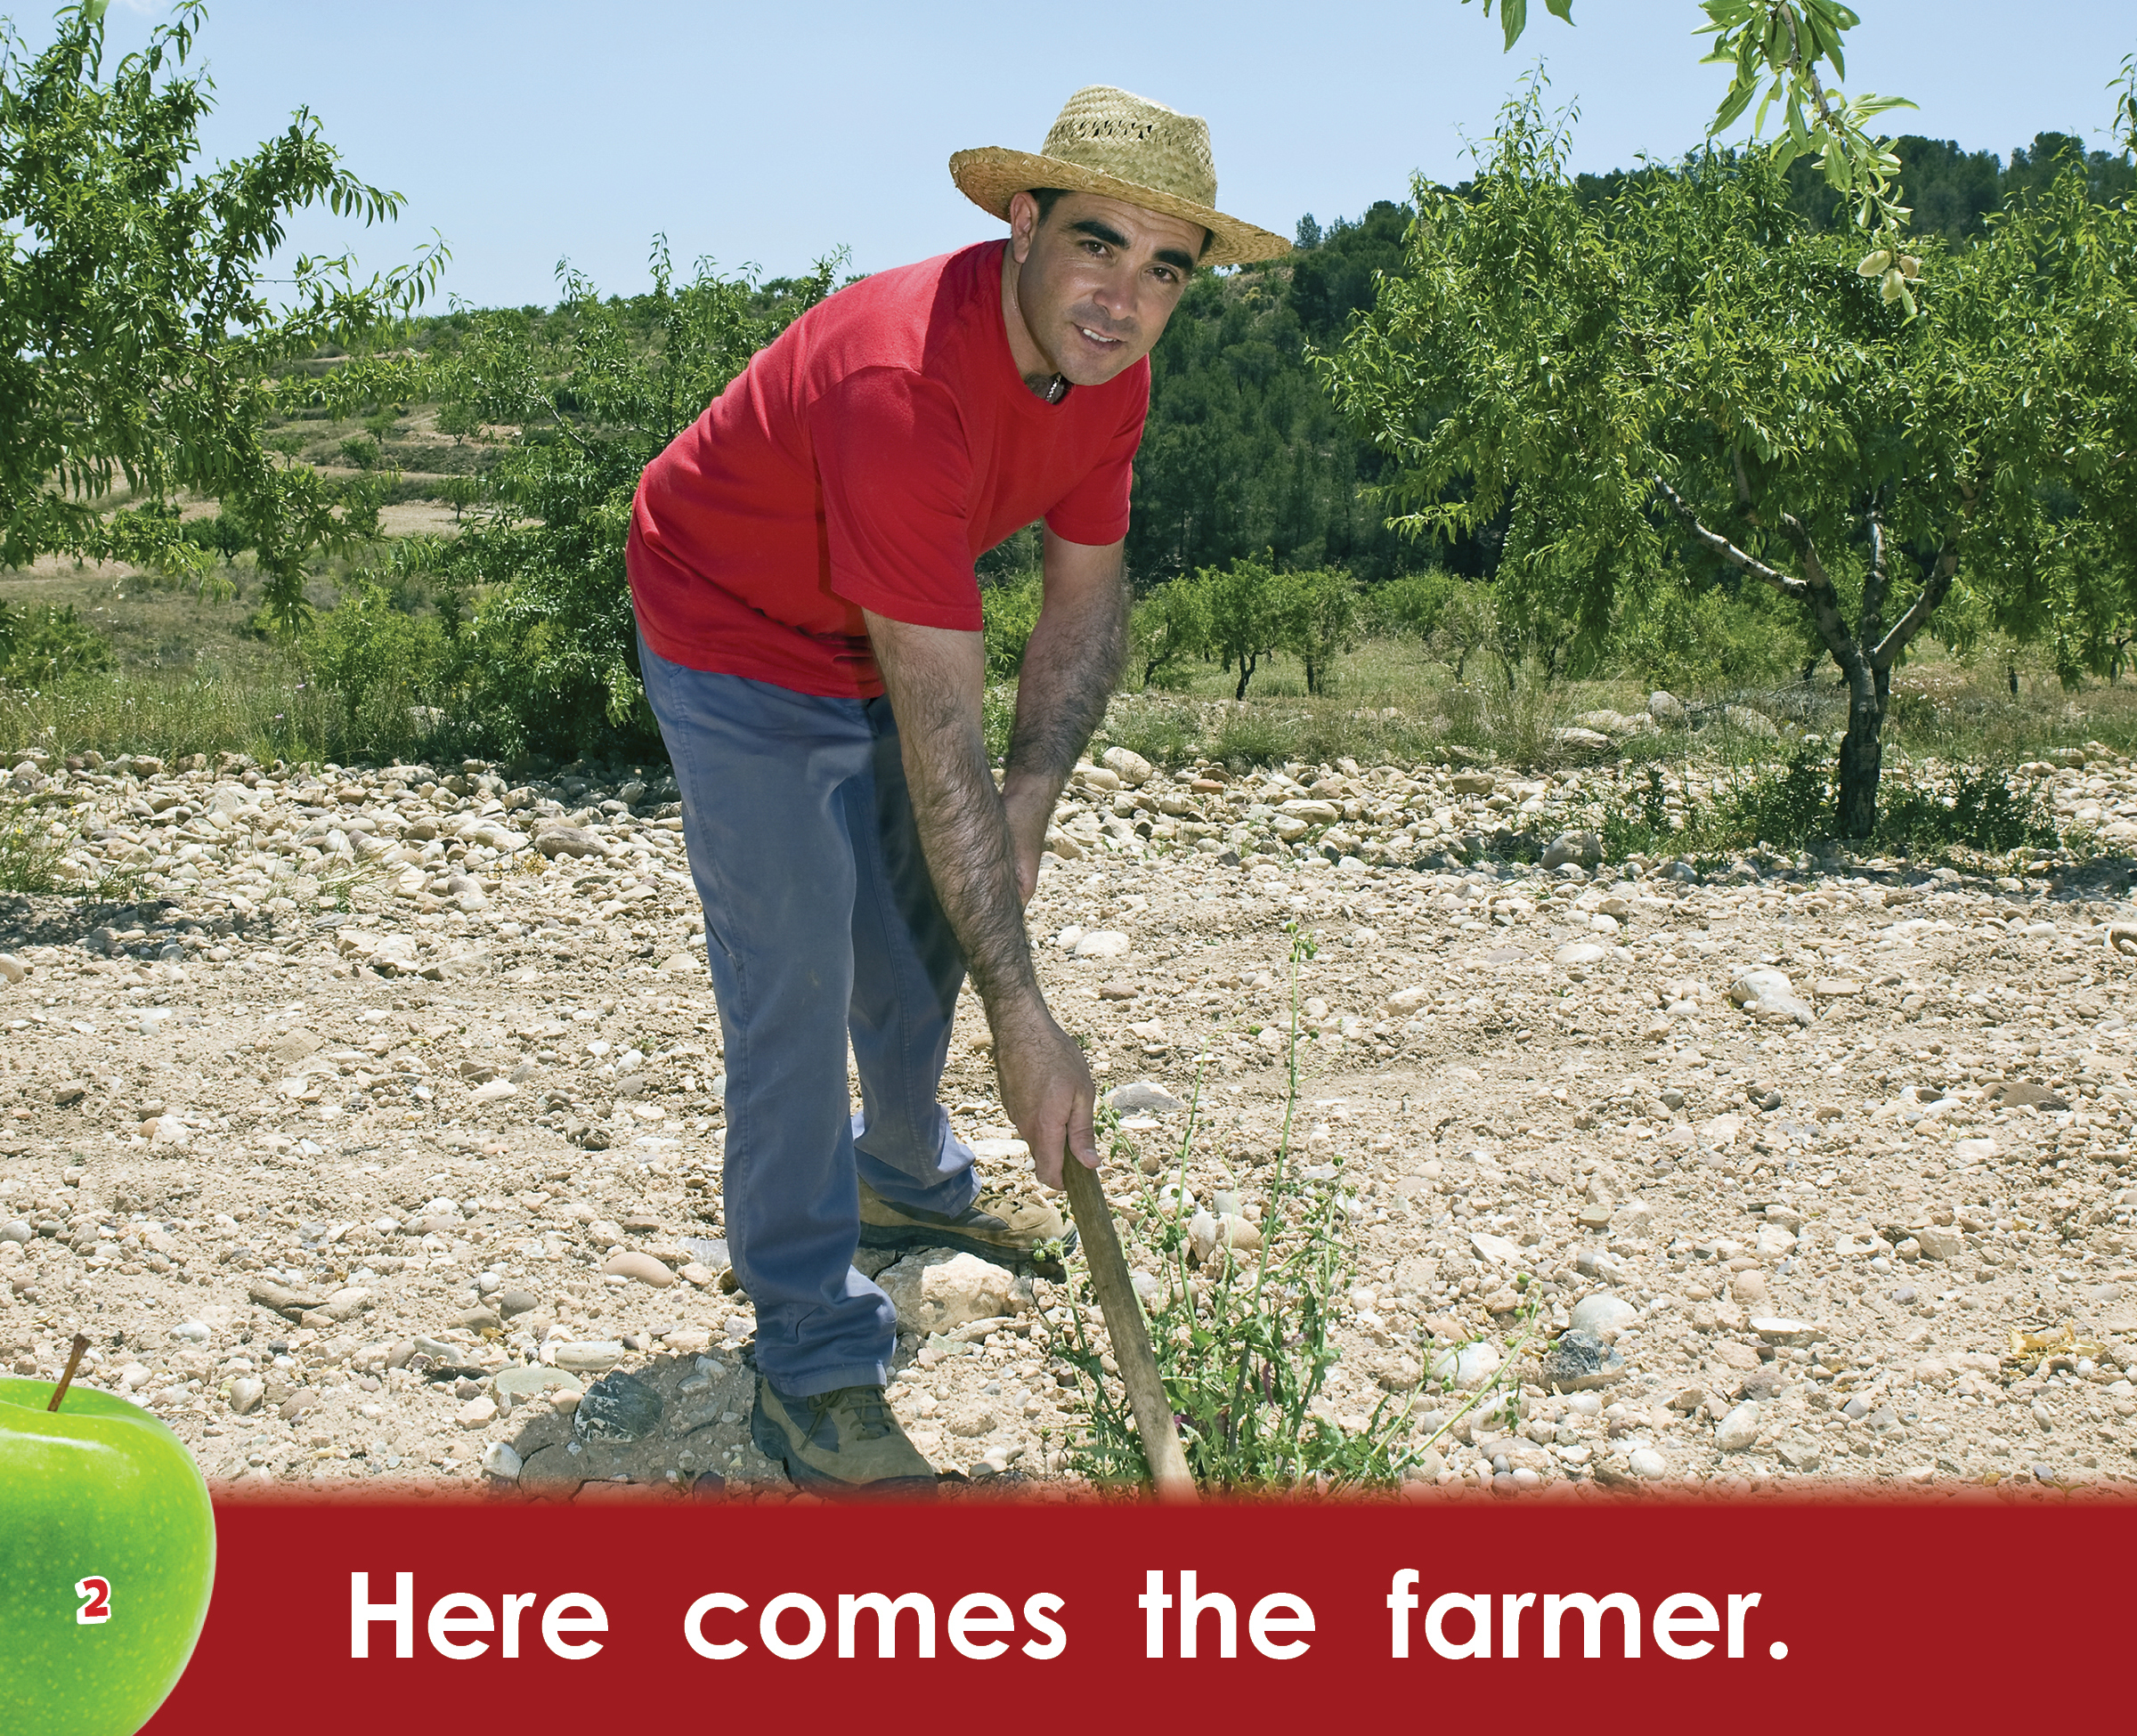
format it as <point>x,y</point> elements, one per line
<point>1071,666</point>
<point>934,682</point>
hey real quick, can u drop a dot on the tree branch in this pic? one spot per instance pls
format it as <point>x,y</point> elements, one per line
<point>1728,551</point>
<point>1878,581</point>
<point>1934,592</point>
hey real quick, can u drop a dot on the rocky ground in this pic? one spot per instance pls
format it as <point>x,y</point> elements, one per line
<point>369,1125</point>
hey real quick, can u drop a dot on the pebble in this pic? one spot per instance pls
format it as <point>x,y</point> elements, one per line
<point>1103,943</point>
<point>500,1461</point>
<point>1144,1095</point>
<point>1739,1429</point>
<point>643,1266</point>
<point>1603,1312</point>
<point>1646,1463</point>
<point>617,1407</point>
<point>1579,1361</point>
<point>936,1290</point>
<point>245,1395</point>
<point>589,1356</point>
<point>478,1413</point>
<point>1469,1367</point>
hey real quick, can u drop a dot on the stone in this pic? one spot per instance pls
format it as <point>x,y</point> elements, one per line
<point>554,1473</point>
<point>281,1298</point>
<point>1497,1249</point>
<point>1103,943</point>
<point>1467,1366</point>
<point>1940,1242</point>
<point>1405,1002</point>
<point>1125,1100</point>
<point>630,1263</point>
<point>935,1290</point>
<point>1646,1463</point>
<point>569,841</point>
<point>1739,1429</point>
<point>245,1395</point>
<point>1579,1361</point>
<point>516,1385</point>
<point>500,1461</point>
<point>15,1230</point>
<point>479,1321</point>
<point>1579,953</point>
<point>1770,994</point>
<point>1749,1287</point>
<point>1773,1242</point>
<point>1129,766</point>
<point>493,1091</point>
<point>1751,722</point>
<point>1475,783</point>
<point>1584,847</point>
<point>509,1302</point>
<point>1602,1312</point>
<point>617,1407</point>
<point>1665,708</point>
<point>2024,1094</point>
<point>1573,739</point>
<point>478,1413</point>
<point>589,1356</point>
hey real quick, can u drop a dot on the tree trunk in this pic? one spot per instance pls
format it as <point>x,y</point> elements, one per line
<point>1862,754</point>
<point>1245,675</point>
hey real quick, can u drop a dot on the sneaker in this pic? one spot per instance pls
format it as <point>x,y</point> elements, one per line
<point>1001,1227</point>
<point>843,1442</point>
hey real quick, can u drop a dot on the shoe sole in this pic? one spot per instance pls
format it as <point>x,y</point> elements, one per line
<point>921,1236</point>
<point>770,1439</point>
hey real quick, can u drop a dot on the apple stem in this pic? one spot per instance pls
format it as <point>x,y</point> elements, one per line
<point>74,1361</point>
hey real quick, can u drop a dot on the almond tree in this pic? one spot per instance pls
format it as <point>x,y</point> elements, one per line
<point>139,346</point>
<point>1683,378</point>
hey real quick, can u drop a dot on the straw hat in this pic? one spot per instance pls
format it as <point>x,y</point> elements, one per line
<point>1122,147</point>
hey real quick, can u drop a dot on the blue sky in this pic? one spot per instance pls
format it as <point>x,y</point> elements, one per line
<point>769,134</point>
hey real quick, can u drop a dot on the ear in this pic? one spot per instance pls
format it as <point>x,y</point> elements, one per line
<point>1023,224</point>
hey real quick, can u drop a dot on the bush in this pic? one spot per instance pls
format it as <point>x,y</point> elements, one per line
<point>386,669</point>
<point>360,452</point>
<point>1244,616</point>
<point>44,647</point>
<point>1318,619</point>
<point>1009,611</point>
<point>1167,627</point>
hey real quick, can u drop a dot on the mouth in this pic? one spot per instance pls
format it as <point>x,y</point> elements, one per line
<point>1099,339</point>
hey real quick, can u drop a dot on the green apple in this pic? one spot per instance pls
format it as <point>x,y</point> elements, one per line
<point>107,1557</point>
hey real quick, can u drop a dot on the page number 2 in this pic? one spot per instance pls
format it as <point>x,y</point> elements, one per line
<point>97,1605</point>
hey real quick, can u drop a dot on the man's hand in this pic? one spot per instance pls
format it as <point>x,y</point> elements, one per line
<point>1047,1090</point>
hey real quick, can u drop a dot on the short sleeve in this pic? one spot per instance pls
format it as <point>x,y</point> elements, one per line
<point>893,463</point>
<point>1095,511</point>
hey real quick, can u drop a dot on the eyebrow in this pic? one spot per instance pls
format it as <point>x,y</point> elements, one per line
<point>1103,232</point>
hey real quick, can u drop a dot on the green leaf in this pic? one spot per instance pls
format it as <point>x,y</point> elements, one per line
<point>1514,19</point>
<point>1733,104</point>
<point>1561,9</point>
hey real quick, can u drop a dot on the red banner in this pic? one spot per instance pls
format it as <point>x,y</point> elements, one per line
<point>1953,1610</point>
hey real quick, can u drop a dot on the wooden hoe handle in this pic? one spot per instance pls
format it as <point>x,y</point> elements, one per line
<point>1125,1325</point>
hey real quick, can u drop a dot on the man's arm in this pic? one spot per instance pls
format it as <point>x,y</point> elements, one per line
<point>1070,667</point>
<point>934,676</point>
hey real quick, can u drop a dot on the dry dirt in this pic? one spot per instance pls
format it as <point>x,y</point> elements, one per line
<point>325,1134</point>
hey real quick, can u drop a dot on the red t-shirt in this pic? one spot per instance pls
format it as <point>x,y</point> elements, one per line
<point>866,456</point>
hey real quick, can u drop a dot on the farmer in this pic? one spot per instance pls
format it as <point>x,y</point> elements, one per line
<point>801,568</point>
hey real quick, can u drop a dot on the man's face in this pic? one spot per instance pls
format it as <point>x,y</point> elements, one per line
<point>1093,284</point>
